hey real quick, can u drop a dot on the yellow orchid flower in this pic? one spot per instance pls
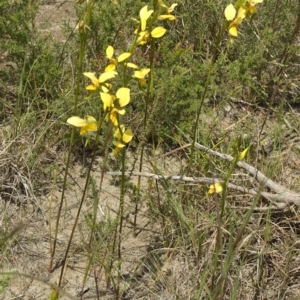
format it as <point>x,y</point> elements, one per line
<point>249,6</point>
<point>157,32</point>
<point>216,188</point>
<point>86,125</point>
<point>112,61</point>
<point>170,9</point>
<point>143,37</point>
<point>141,74</point>
<point>122,137</point>
<point>114,104</point>
<point>96,82</point>
<point>246,10</point>
<point>238,20</point>
<point>243,154</point>
<point>230,14</point>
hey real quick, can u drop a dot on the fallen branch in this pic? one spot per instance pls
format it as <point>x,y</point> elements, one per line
<point>203,180</point>
<point>281,193</point>
<point>280,197</point>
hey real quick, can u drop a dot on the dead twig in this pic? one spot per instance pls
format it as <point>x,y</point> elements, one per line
<point>280,195</point>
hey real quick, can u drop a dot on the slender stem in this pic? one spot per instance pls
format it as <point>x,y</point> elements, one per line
<point>96,199</point>
<point>208,78</point>
<point>149,97</point>
<point>83,34</point>
<point>76,218</point>
<point>120,218</point>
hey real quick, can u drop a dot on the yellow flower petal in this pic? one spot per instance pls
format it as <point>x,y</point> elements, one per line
<point>167,17</point>
<point>142,73</point>
<point>145,71</point>
<point>143,37</point>
<point>123,56</point>
<point>123,94</point>
<point>87,128</point>
<point>131,65</point>
<point>107,75</point>
<point>107,100</point>
<point>120,111</point>
<point>233,31</point>
<point>106,87</point>
<point>138,74</point>
<point>171,8</point>
<point>215,188</point>
<point>127,136</point>
<point>90,125</point>
<point>90,119</point>
<point>158,32</point>
<point>110,52</point>
<point>161,3</point>
<point>114,116</point>
<point>241,15</point>
<point>86,125</point>
<point>110,67</point>
<point>76,121</point>
<point>91,87</point>
<point>144,15</point>
<point>119,144</point>
<point>116,151</point>
<point>92,77</point>
<point>243,154</point>
<point>118,133</point>
<point>230,12</point>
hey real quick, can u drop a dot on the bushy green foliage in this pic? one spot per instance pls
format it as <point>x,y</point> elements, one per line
<point>259,59</point>
<point>249,69</point>
<point>31,69</point>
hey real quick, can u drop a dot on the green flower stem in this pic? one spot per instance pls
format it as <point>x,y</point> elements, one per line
<point>220,213</point>
<point>149,96</point>
<point>80,207</point>
<point>120,217</point>
<point>208,78</point>
<point>20,95</point>
<point>219,291</point>
<point>83,34</point>
<point>96,201</point>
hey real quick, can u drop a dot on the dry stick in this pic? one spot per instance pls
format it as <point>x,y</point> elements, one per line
<point>204,180</point>
<point>175,150</point>
<point>282,194</point>
<point>281,197</point>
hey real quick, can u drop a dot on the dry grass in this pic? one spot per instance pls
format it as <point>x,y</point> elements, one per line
<point>155,266</point>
